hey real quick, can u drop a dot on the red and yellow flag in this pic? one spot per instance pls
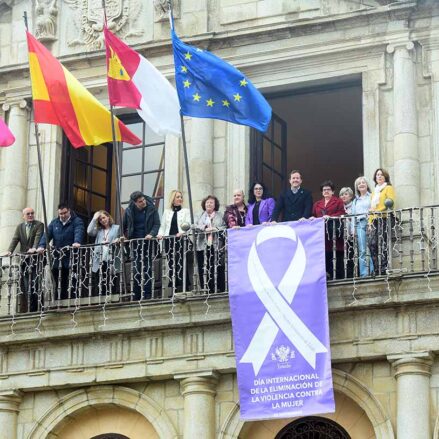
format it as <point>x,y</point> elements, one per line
<point>60,99</point>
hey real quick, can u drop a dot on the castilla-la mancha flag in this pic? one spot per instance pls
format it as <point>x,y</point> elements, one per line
<point>6,136</point>
<point>60,99</point>
<point>135,83</point>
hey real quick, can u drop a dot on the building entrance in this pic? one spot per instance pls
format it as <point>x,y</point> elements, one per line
<point>317,130</point>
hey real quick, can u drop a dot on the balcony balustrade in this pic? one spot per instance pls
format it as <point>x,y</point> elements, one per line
<point>358,249</point>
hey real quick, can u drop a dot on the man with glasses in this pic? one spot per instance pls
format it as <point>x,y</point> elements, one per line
<point>28,235</point>
<point>141,223</point>
<point>294,203</point>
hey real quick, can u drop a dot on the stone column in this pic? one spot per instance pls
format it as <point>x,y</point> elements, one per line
<point>405,126</point>
<point>201,160</point>
<point>199,392</point>
<point>15,165</point>
<point>9,403</point>
<point>412,373</point>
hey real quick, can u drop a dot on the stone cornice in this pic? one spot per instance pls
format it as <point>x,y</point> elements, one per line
<point>188,344</point>
<point>370,295</point>
<point>122,319</point>
<point>247,36</point>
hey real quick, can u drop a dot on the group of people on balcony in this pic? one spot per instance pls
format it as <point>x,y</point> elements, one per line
<point>366,230</point>
<point>366,224</point>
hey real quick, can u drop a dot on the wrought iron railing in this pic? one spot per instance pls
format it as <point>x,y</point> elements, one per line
<point>127,271</point>
<point>144,271</point>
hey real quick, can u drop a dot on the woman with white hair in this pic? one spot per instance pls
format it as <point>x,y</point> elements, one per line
<point>360,208</point>
<point>347,195</point>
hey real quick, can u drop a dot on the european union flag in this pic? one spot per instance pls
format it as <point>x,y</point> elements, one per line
<point>209,87</point>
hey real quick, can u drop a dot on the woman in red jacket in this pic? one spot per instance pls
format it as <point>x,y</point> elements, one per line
<point>328,207</point>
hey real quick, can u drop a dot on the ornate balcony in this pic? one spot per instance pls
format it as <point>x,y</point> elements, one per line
<point>401,243</point>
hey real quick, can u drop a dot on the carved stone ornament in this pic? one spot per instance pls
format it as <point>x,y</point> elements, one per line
<point>161,10</point>
<point>46,13</point>
<point>121,14</point>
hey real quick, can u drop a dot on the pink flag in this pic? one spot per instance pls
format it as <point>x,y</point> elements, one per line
<point>6,137</point>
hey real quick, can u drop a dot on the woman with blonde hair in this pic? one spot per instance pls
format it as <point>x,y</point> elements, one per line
<point>360,208</point>
<point>173,220</point>
<point>105,261</point>
<point>234,214</point>
<point>346,195</point>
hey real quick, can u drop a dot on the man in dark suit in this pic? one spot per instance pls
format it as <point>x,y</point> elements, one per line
<point>28,235</point>
<point>295,203</point>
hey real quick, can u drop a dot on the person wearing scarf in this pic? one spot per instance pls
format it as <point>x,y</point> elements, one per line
<point>328,207</point>
<point>360,208</point>
<point>377,229</point>
<point>171,227</point>
<point>234,215</point>
<point>210,246</point>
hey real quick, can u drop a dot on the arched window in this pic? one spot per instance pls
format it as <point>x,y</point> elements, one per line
<point>313,427</point>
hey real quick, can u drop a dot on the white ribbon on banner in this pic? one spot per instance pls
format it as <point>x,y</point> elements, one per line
<point>277,302</point>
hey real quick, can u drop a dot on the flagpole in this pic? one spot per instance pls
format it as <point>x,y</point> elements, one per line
<point>119,210</point>
<point>183,135</point>
<point>40,172</point>
<point>186,165</point>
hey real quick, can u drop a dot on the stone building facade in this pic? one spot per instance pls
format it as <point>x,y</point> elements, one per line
<point>149,372</point>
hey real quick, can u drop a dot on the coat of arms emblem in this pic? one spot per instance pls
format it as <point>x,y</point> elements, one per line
<point>90,20</point>
<point>282,354</point>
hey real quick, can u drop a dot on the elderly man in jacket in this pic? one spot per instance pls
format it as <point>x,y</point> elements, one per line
<point>28,235</point>
<point>65,231</point>
<point>141,223</point>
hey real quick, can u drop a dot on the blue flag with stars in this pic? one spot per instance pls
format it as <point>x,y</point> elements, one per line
<point>211,88</point>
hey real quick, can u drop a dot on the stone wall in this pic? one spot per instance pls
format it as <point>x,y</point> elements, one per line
<point>380,344</point>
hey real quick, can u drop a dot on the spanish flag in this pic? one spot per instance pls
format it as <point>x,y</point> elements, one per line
<point>60,99</point>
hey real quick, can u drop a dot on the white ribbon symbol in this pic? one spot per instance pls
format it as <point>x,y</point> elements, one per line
<point>279,314</point>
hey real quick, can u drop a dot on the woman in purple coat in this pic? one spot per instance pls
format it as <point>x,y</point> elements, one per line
<point>260,207</point>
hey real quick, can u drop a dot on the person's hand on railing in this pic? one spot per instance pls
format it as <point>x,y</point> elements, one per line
<point>149,236</point>
<point>76,245</point>
<point>159,237</point>
<point>41,250</point>
<point>31,250</point>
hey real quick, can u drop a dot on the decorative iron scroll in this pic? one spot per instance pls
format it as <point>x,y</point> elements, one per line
<point>313,427</point>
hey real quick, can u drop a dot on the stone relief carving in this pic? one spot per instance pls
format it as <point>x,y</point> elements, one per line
<point>46,13</point>
<point>161,9</point>
<point>121,18</point>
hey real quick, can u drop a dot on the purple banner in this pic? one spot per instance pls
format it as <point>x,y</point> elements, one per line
<point>278,303</point>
